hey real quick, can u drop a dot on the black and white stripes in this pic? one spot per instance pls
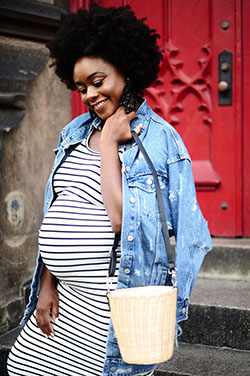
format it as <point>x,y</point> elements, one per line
<point>74,242</point>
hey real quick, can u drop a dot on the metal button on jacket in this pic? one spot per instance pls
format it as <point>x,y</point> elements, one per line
<point>132,200</point>
<point>149,181</point>
<point>130,238</point>
<point>127,271</point>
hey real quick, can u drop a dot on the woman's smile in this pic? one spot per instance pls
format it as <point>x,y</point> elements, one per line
<point>99,105</point>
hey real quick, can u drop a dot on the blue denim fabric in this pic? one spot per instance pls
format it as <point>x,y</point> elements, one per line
<point>144,259</point>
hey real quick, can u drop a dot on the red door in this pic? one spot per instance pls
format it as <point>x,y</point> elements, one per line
<point>203,45</point>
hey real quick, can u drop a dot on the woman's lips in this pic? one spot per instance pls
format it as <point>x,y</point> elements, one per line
<point>99,104</point>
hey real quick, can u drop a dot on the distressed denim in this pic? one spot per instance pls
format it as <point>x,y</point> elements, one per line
<point>144,259</point>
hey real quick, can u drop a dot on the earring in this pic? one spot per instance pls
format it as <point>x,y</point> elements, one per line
<point>128,97</point>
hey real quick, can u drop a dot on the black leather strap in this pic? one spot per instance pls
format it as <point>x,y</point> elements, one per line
<point>160,202</point>
<point>112,264</point>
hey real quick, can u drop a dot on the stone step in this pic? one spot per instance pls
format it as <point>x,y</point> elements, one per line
<point>229,259</point>
<point>219,314</point>
<point>197,360</point>
<point>188,360</point>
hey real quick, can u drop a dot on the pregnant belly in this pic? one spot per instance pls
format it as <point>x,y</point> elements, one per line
<point>74,241</point>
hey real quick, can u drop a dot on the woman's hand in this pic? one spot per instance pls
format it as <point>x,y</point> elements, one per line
<point>47,303</point>
<point>115,131</point>
<point>117,128</point>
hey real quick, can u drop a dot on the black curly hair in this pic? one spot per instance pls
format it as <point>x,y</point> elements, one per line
<point>113,34</point>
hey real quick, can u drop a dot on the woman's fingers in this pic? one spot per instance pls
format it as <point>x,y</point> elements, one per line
<point>138,128</point>
<point>44,322</point>
<point>117,127</point>
<point>48,303</point>
<point>55,310</point>
<point>132,115</point>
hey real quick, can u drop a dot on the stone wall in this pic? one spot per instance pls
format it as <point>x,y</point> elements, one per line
<point>34,106</point>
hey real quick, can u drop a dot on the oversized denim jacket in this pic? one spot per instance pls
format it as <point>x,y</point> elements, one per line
<point>144,259</point>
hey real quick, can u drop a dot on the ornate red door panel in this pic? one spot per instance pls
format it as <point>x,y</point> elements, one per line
<point>194,34</point>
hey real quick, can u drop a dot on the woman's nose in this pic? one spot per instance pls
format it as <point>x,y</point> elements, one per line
<point>91,94</point>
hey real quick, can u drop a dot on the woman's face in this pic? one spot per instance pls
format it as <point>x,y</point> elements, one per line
<point>99,84</point>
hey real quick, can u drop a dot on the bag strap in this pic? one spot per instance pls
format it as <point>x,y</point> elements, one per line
<point>171,264</point>
<point>160,202</point>
<point>112,262</point>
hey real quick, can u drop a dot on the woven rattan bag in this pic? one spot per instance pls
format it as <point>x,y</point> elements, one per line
<point>144,318</point>
<point>144,323</point>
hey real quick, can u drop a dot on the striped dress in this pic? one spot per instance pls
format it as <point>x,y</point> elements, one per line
<point>74,241</point>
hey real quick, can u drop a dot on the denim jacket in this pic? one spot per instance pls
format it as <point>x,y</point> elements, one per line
<point>143,254</point>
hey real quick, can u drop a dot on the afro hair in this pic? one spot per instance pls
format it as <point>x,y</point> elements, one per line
<point>113,34</point>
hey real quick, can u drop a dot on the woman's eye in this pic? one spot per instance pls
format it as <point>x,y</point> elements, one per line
<point>98,83</point>
<point>82,90</point>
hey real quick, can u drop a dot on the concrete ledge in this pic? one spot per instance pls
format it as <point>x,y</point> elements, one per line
<point>223,293</point>
<point>197,360</point>
<point>229,259</point>
<point>219,314</point>
<point>217,326</point>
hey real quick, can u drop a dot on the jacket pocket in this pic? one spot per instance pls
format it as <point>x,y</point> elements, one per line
<point>146,182</point>
<point>143,188</point>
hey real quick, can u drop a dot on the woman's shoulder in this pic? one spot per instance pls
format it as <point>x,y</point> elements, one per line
<point>156,120</point>
<point>169,136</point>
<point>161,122</point>
<point>76,123</point>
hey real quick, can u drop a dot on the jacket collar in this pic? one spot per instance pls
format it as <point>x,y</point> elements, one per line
<point>85,126</point>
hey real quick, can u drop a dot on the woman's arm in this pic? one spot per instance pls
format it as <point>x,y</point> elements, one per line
<point>115,132</point>
<point>47,303</point>
<point>111,183</point>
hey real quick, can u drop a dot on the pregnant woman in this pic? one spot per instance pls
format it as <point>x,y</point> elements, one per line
<point>101,185</point>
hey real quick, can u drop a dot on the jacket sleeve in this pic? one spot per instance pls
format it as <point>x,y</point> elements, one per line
<point>193,239</point>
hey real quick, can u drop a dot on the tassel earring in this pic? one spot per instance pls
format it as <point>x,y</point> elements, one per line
<point>128,98</point>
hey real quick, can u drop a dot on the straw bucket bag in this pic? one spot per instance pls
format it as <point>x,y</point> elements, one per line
<point>144,318</point>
